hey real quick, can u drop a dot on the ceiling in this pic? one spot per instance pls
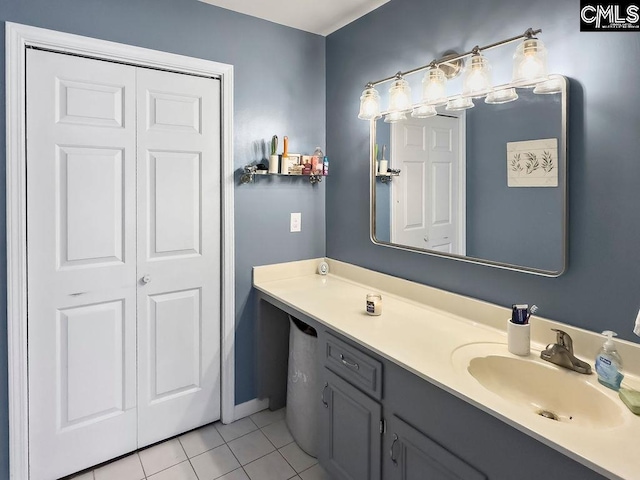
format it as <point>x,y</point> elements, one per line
<point>316,16</point>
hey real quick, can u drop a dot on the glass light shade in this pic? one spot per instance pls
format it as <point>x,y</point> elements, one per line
<point>400,96</point>
<point>529,63</point>
<point>504,95</point>
<point>369,105</point>
<point>550,86</point>
<point>459,103</point>
<point>477,81</point>
<point>424,111</point>
<point>393,117</point>
<point>433,87</point>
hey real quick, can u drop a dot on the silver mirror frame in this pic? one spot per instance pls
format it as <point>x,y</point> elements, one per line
<point>562,149</point>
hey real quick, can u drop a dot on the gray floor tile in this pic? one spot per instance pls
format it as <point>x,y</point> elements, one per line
<point>278,433</point>
<point>181,471</point>
<point>251,447</point>
<point>315,473</point>
<point>214,463</point>
<point>238,474</point>
<point>297,458</point>
<point>200,440</point>
<point>236,429</point>
<point>162,456</point>
<point>270,467</point>
<point>266,417</point>
<point>127,468</point>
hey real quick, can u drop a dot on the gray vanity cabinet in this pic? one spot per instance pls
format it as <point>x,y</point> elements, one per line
<point>412,455</point>
<point>439,436</point>
<point>349,430</point>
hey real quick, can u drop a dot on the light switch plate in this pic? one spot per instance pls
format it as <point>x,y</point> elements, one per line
<point>296,222</point>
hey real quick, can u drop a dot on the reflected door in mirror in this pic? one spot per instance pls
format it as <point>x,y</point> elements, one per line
<point>426,198</point>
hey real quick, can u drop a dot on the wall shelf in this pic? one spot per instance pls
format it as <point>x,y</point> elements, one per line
<point>387,177</point>
<point>251,173</point>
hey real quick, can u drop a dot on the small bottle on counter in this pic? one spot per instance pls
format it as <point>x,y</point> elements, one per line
<point>374,304</point>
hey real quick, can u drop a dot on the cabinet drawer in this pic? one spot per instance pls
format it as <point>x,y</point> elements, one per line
<point>356,367</point>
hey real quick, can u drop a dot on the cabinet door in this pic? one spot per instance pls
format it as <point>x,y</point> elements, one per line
<point>350,431</point>
<point>414,456</point>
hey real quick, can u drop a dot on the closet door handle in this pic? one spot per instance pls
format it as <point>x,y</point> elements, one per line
<point>326,405</point>
<point>391,452</point>
<point>146,279</point>
<point>349,364</point>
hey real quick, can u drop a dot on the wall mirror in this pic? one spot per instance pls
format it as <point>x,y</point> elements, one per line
<point>485,185</point>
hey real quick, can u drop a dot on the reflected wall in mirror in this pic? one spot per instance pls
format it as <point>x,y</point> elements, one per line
<point>452,196</point>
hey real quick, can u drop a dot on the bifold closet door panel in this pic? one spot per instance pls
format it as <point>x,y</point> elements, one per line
<point>81,242</point>
<point>178,253</point>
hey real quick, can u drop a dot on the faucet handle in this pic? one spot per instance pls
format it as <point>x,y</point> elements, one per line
<point>564,339</point>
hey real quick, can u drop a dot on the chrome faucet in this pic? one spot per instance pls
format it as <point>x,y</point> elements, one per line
<point>561,353</point>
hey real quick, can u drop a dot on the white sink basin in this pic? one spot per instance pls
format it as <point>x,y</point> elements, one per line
<point>539,386</point>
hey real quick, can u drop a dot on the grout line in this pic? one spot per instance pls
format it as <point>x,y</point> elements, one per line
<point>144,472</point>
<point>186,455</point>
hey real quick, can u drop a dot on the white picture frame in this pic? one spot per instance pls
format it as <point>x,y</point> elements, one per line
<point>532,163</point>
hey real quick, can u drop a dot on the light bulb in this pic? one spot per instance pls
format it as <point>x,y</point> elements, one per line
<point>529,63</point>
<point>477,78</point>
<point>400,96</point>
<point>433,87</point>
<point>369,104</point>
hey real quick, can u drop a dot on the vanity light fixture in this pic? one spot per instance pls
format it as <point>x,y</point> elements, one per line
<point>477,82</point>
<point>501,95</point>
<point>369,104</point>
<point>529,70</point>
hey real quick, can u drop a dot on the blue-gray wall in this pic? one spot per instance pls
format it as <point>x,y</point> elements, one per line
<point>279,89</point>
<point>520,226</point>
<point>601,288</point>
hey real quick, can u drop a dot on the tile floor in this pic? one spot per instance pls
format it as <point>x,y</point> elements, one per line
<point>258,447</point>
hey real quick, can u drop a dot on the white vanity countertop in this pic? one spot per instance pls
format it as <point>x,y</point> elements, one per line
<point>420,329</point>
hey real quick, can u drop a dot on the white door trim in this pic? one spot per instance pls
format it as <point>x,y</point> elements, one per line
<point>18,39</point>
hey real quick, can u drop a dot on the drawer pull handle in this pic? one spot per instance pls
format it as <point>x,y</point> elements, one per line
<point>326,405</point>
<point>391,452</point>
<point>349,364</point>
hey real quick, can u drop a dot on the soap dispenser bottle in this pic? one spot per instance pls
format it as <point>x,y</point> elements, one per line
<point>609,363</point>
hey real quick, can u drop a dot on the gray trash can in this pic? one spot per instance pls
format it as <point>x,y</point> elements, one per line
<point>302,401</point>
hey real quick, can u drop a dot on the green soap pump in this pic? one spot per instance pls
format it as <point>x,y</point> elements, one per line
<point>609,363</point>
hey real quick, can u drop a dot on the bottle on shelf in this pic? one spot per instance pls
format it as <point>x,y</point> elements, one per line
<point>317,162</point>
<point>284,159</point>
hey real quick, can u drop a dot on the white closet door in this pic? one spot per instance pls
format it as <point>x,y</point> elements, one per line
<point>178,253</point>
<point>81,241</point>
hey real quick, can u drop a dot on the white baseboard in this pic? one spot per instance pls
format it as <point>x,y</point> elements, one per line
<point>249,408</point>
